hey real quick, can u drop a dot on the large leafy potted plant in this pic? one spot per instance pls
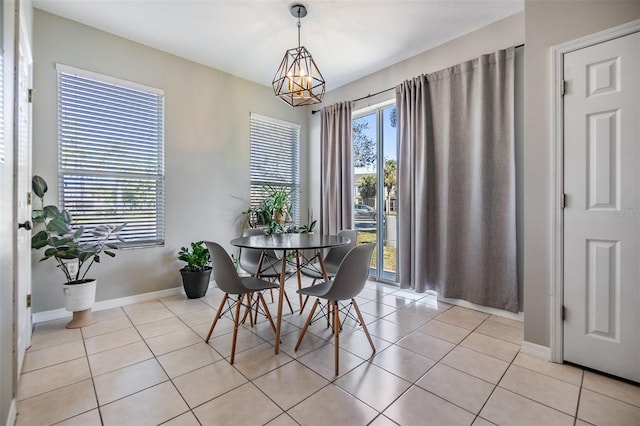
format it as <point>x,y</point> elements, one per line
<point>197,272</point>
<point>73,253</point>
<point>280,201</point>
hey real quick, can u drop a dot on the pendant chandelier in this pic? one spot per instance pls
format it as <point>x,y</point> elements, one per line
<point>298,81</point>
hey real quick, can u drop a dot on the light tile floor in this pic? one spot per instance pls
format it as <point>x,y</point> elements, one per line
<point>147,364</point>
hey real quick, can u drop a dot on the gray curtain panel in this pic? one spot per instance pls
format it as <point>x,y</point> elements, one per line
<point>456,182</point>
<point>336,169</point>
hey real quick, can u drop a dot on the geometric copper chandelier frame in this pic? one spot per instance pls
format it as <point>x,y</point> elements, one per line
<point>298,80</point>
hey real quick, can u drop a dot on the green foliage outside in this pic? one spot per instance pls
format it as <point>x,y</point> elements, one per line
<point>367,187</point>
<point>389,264</point>
<point>364,147</point>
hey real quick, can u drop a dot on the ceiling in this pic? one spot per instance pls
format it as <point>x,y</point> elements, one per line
<point>348,39</point>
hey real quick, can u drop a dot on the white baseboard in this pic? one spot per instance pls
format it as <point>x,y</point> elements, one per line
<point>108,304</point>
<point>536,350</point>
<point>486,309</point>
<point>11,418</point>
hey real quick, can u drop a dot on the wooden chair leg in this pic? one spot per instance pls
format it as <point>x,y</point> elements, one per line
<point>364,326</point>
<point>266,311</point>
<point>253,319</point>
<point>336,332</point>
<point>236,320</point>
<point>248,312</point>
<point>306,324</point>
<point>306,298</point>
<point>288,301</point>
<point>215,319</point>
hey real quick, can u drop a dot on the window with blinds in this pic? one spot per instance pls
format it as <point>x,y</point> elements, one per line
<point>275,159</point>
<point>111,154</point>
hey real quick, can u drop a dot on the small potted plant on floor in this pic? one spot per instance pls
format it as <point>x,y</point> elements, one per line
<point>197,272</point>
<point>74,249</point>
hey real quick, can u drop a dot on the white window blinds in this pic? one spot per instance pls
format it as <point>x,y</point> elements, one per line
<point>111,154</point>
<point>275,159</point>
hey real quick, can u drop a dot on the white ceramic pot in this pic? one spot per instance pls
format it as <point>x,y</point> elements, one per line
<point>79,297</point>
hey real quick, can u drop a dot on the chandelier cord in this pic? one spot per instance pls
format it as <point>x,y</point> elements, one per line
<point>299,28</point>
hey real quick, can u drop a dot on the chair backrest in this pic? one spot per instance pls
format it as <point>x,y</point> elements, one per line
<point>336,254</point>
<point>249,258</point>
<point>352,274</point>
<point>224,272</point>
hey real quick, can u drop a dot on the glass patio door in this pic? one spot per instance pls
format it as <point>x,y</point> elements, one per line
<point>375,206</point>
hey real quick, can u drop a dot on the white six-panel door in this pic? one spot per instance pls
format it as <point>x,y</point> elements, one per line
<point>602,213</point>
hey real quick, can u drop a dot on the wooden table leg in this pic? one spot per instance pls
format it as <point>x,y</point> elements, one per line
<point>299,277</point>
<point>322,267</point>
<point>283,276</point>
<point>326,278</point>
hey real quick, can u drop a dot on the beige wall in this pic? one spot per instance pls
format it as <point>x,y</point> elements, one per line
<point>207,149</point>
<point>547,24</point>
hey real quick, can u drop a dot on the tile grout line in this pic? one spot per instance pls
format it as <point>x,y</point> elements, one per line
<point>575,418</point>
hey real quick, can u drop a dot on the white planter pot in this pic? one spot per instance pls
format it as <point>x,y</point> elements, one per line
<point>79,297</point>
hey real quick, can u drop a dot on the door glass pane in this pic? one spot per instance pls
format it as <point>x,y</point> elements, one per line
<point>375,208</point>
<point>389,200</point>
<point>365,150</point>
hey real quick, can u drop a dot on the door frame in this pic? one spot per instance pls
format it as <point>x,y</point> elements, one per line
<point>557,139</point>
<point>22,285</point>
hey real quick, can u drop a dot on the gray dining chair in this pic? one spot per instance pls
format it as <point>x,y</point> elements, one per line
<point>271,268</point>
<point>349,281</point>
<point>228,280</point>
<point>331,261</point>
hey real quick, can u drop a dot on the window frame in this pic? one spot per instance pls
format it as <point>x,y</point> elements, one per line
<point>255,184</point>
<point>150,178</point>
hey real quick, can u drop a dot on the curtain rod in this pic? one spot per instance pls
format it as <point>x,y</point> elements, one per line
<point>370,95</point>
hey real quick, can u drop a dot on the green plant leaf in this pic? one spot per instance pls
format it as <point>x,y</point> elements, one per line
<point>57,226</point>
<point>66,255</point>
<point>52,252</point>
<point>109,253</point>
<point>37,216</point>
<point>84,256</point>
<point>62,241</point>
<point>39,186</point>
<point>67,216</point>
<point>51,211</point>
<point>38,244</point>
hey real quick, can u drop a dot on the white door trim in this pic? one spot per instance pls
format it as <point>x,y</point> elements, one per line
<point>557,139</point>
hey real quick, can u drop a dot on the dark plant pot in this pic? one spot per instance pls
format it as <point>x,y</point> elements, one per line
<point>195,283</point>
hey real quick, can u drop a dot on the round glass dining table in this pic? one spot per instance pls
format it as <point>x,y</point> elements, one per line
<point>287,244</point>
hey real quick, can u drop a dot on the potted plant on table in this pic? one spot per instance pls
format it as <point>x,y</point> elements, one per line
<point>197,272</point>
<point>72,251</point>
<point>273,211</point>
<point>280,201</point>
